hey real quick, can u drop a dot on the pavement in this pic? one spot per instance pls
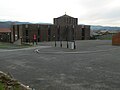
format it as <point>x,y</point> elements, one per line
<point>94,65</point>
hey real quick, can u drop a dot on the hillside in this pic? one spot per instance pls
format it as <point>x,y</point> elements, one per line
<point>7,24</point>
<point>104,28</point>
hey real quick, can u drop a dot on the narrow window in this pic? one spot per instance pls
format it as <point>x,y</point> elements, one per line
<point>49,33</point>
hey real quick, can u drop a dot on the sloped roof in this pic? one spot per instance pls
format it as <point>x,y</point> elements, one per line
<point>5,30</point>
<point>65,16</point>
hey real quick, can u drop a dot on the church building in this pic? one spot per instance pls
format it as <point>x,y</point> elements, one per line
<point>63,28</point>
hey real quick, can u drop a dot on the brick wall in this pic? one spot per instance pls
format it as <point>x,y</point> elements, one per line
<point>50,32</point>
<point>116,39</point>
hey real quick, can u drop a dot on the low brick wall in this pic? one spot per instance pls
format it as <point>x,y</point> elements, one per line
<point>116,39</point>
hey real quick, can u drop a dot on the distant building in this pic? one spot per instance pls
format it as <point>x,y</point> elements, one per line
<point>64,28</point>
<point>5,35</point>
<point>103,34</point>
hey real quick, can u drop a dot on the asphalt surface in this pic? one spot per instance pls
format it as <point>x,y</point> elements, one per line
<point>94,65</point>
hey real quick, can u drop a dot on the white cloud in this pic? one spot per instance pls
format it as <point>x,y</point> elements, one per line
<point>100,12</point>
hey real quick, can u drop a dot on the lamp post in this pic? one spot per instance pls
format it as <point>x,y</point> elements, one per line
<point>21,40</point>
<point>60,43</point>
<point>59,37</point>
<point>74,45</point>
<point>55,40</point>
<point>67,36</point>
<point>74,36</point>
<point>67,43</point>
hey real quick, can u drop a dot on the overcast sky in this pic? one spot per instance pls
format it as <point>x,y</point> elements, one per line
<point>92,12</point>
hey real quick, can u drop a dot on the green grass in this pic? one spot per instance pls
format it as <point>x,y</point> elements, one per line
<point>7,82</point>
<point>16,88</point>
<point>106,38</point>
<point>4,45</point>
<point>1,86</point>
<point>12,46</point>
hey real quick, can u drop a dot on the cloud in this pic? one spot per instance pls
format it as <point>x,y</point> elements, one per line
<point>88,11</point>
<point>102,12</point>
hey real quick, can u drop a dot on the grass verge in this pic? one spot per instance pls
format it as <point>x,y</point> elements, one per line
<point>12,46</point>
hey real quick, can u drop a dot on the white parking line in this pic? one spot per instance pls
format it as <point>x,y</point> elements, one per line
<point>40,47</point>
<point>76,52</point>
